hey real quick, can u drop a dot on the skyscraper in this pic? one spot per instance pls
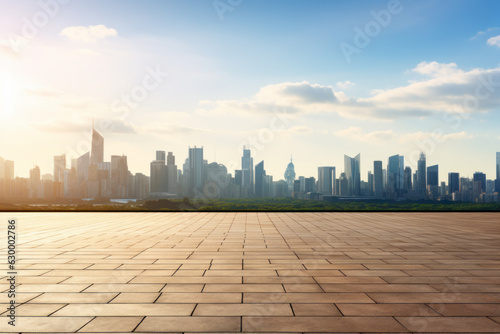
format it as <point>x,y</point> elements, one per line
<point>481,178</point>
<point>259,179</point>
<point>378,179</point>
<point>195,172</point>
<point>433,175</point>
<point>353,175</point>
<point>326,180</point>
<point>82,173</point>
<point>290,175</point>
<point>158,177</point>
<point>453,183</point>
<point>59,167</point>
<point>9,169</point>
<point>2,168</point>
<point>433,181</point>
<point>421,186</point>
<point>160,155</point>
<point>247,184</point>
<point>97,153</point>
<point>395,176</point>
<point>497,181</point>
<point>119,176</point>
<point>408,187</point>
<point>35,190</point>
<point>172,182</point>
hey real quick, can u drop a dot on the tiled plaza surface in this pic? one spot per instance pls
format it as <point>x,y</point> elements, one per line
<point>255,272</point>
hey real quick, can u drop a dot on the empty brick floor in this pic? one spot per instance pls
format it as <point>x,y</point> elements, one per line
<point>255,272</point>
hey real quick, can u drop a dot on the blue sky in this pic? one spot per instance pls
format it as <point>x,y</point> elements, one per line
<point>271,72</point>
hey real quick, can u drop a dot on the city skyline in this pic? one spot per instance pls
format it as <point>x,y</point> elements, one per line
<point>168,75</point>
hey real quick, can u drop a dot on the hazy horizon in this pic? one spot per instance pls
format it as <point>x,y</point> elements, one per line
<point>288,78</point>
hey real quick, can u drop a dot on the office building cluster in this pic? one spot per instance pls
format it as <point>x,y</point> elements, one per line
<point>90,177</point>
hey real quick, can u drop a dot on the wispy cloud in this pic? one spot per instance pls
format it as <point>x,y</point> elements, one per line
<point>357,133</point>
<point>479,33</point>
<point>88,34</point>
<point>494,41</point>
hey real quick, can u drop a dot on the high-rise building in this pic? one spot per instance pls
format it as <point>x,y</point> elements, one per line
<point>395,176</point>
<point>2,168</point>
<point>497,181</point>
<point>453,183</point>
<point>59,167</point>
<point>35,190</point>
<point>421,185</point>
<point>119,176</point>
<point>172,175</point>
<point>195,172</point>
<point>158,177</point>
<point>290,175</point>
<point>9,170</point>
<point>408,186</point>
<point>97,153</point>
<point>433,175</point>
<point>353,175</point>
<point>378,179</point>
<point>247,181</point>
<point>326,180</point>
<point>260,173</point>
<point>433,181</point>
<point>82,174</point>
<point>370,184</point>
<point>309,184</point>
<point>160,155</point>
<point>481,178</point>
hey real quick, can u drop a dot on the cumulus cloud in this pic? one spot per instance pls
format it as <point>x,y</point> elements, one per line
<point>88,34</point>
<point>494,41</point>
<point>443,88</point>
<point>357,133</point>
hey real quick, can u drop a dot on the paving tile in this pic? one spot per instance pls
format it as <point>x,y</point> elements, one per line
<point>255,297</point>
<point>307,310</point>
<point>126,310</point>
<point>321,324</point>
<point>243,309</point>
<point>417,310</point>
<point>449,324</point>
<point>190,324</point>
<point>472,310</point>
<point>45,324</point>
<point>111,324</point>
<point>210,298</point>
<point>271,272</point>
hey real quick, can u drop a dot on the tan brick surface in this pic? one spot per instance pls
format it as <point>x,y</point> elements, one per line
<point>255,273</point>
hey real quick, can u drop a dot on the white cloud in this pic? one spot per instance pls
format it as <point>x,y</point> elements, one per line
<point>494,41</point>
<point>344,84</point>
<point>443,88</point>
<point>357,133</point>
<point>479,33</point>
<point>88,34</point>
